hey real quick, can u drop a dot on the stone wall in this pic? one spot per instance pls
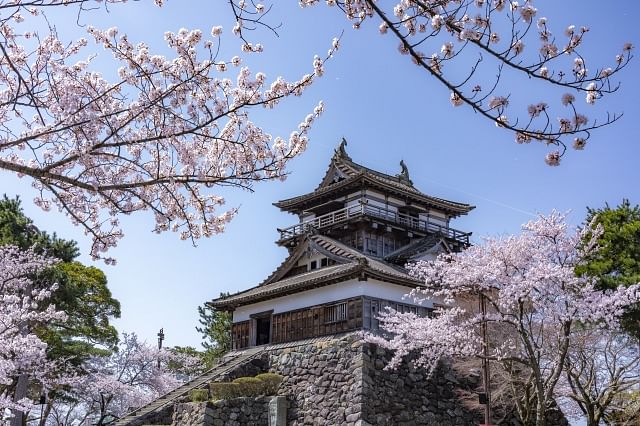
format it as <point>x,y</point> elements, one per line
<point>322,382</point>
<point>191,413</point>
<point>165,415</point>
<point>343,382</point>
<point>232,412</point>
<point>406,397</point>
<point>160,417</point>
<point>252,368</point>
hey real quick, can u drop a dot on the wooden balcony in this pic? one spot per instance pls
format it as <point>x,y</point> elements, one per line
<point>345,214</point>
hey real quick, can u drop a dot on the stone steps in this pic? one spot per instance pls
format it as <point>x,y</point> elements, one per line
<point>228,363</point>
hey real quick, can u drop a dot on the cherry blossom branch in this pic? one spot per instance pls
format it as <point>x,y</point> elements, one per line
<point>448,28</point>
<point>158,138</point>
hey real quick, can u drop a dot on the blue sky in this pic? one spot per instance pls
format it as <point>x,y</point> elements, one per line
<point>388,110</point>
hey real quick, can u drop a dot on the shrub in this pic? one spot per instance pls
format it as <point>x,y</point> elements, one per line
<point>225,390</point>
<point>250,386</point>
<point>199,395</point>
<point>271,382</point>
<point>262,384</point>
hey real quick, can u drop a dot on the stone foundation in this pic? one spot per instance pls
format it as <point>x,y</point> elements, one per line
<point>160,417</point>
<point>343,382</point>
<point>231,412</point>
<point>323,382</point>
<point>405,397</point>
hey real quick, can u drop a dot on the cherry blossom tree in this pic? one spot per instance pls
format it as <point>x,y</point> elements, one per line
<point>490,38</point>
<point>127,379</point>
<point>165,131</point>
<point>22,353</point>
<point>536,306</point>
<point>601,369</point>
<point>157,137</point>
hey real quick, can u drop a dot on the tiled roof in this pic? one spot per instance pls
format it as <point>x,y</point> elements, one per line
<point>288,285</point>
<point>350,263</point>
<point>354,172</point>
<point>340,249</point>
<point>405,253</point>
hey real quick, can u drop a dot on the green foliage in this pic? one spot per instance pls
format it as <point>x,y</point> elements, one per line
<point>83,294</point>
<point>262,384</point>
<point>618,260</point>
<point>18,230</point>
<point>271,382</point>
<point>630,414</point>
<point>199,395</point>
<point>82,290</point>
<point>225,390</point>
<point>215,327</point>
<point>250,386</point>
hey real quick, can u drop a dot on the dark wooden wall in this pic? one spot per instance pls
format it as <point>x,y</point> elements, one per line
<point>317,320</point>
<point>311,322</point>
<point>240,334</point>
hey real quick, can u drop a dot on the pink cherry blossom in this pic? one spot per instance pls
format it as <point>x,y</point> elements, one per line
<point>503,35</point>
<point>21,351</point>
<point>536,305</point>
<point>127,379</point>
<point>160,137</point>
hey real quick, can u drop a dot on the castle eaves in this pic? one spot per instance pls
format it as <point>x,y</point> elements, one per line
<point>352,264</point>
<point>356,175</point>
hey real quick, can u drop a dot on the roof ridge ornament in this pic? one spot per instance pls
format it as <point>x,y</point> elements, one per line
<point>404,174</point>
<point>341,151</point>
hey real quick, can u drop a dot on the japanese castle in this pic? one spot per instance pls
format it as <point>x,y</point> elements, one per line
<point>356,232</point>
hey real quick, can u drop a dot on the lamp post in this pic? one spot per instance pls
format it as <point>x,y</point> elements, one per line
<point>160,339</point>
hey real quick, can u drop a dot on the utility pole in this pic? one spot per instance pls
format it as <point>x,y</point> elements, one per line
<point>160,339</point>
<point>20,393</point>
<point>486,380</point>
<point>22,382</point>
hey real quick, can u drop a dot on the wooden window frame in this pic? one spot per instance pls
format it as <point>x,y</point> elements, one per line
<point>337,312</point>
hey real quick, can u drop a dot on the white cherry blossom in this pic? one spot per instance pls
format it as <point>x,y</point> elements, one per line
<point>536,305</point>
<point>159,137</point>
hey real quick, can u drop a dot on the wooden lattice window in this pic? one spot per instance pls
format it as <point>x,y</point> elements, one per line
<point>335,313</point>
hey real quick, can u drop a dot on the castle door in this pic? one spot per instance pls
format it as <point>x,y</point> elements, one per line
<point>263,330</point>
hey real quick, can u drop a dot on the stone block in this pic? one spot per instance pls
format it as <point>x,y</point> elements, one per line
<point>278,411</point>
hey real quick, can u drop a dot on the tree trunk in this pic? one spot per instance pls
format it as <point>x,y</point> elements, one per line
<point>45,414</point>
<point>597,416</point>
<point>541,418</point>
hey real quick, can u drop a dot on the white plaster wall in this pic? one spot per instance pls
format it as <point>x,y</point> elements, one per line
<point>306,259</point>
<point>380,204</point>
<point>374,194</point>
<point>435,217</point>
<point>353,203</point>
<point>437,213</point>
<point>396,201</point>
<point>308,217</point>
<point>327,294</point>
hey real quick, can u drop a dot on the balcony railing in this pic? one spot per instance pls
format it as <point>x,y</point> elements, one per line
<point>345,214</point>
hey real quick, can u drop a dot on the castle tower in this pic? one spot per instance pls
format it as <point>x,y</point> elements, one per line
<point>355,233</point>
